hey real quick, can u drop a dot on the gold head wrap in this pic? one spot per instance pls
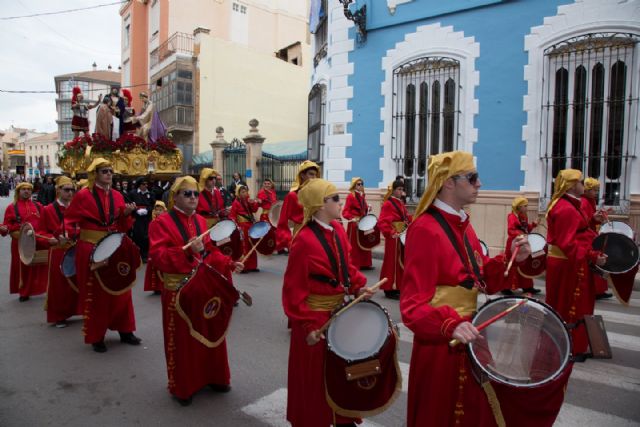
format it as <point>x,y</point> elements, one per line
<point>181,183</point>
<point>517,202</point>
<point>307,164</point>
<point>442,167</point>
<point>82,183</point>
<point>19,187</point>
<point>311,196</point>
<point>389,191</point>
<point>160,203</point>
<point>565,180</point>
<point>591,184</point>
<point>355,179</point>
<point>62,180</point>
<point>97,163</point>
<point>240,187</point>
<point>204,175</point>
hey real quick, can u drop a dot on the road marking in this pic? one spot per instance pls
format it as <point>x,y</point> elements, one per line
<point>617,317</point>
<point>576,416</point>
<point>608,374</point>
<point>622,341</point>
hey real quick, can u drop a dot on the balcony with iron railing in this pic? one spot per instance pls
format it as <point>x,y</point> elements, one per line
<point>177,44</point>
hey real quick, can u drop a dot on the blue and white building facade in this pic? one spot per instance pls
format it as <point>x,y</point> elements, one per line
<point>529,87</point>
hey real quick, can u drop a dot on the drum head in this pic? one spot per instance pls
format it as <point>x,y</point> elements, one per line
<point>359,332</point>
<point>27,243</point>
<point>485,248</point>
<point>403,237</point>
<point>106,247</point>
<point>68,265</point>
<point>537,242</point>
<point>622,252</point>
<point>222,230</point>
<point>274,212</point>
<point>617,227</point>
<point>367,222</point>
<point>528,347</point>
<point>259,229</point>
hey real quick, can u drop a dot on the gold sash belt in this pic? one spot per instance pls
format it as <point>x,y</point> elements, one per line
<point>399,226</point>
<point>556,252</point>
<point>463,300</point>
<point>324,302</point>
<point>211,221</point>
<point>172,280</point>
<point>92,236</point>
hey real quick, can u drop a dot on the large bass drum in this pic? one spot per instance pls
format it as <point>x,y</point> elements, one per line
<point>368,232</point>
<point>265,231</point>
<point>115,260</point>
<point>27,247</point>
<point>362,375</point>
<point>228,238</point>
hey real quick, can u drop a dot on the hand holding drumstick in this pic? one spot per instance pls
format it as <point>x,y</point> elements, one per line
<point>520,251</point>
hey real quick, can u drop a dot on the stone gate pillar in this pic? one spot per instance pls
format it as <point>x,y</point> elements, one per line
<point>254,142</point>
<point>217,146</point>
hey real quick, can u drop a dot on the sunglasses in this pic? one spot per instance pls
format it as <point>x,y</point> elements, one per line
<point>106,171</point>
<point>335,198</point>
<point>69,190</point>
<point>359,183</point>
<point>471,177</point>
<point>211,178</point>
<point>190,193</point>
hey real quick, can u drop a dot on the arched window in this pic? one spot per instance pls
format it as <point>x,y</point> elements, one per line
<point>315,132</point>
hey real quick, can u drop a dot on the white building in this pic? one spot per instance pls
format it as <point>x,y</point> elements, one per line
<point>41,155</point>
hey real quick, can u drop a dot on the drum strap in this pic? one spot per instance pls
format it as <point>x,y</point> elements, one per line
<point>332,259</point>
<point>208,197</point>
<point>468,283</point>
<point>249,216</point>
<point>400,211</point>
<point>181,229</point>
<point>101,208</point>
<point>58,212</point>
<point>361,202</point>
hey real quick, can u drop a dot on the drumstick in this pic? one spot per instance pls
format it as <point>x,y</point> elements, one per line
<point>351,304</point>
<point>253,248</point>
<point>454,342</point>
<point>185,247</point>
<point>513,257</point>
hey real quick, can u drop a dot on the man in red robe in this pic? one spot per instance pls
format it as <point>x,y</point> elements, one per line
<point>151,281</point>
<point>291,209</point>
<point>210,201</point>
<point>569,279</point>
<point>96,211</point>
<point>444,271</point>
<point>242,210</point>
<point>394,219</point>
<point>312,288</point>
<point>267,196</point>
<point>62,292</point>
<point>191,364</point>
<point>517,224</point>
<point>588,203</point>
<point>354,209</point>
<point>25,280</point>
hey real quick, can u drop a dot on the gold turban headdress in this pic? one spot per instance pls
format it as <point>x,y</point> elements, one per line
<point>181,183</point>
<point>159,203</point>
<point>240,187</point>
<point>517,202</point>
<point>311,196</point>
<point>442,167</point>
<point>204,175</point>
<point>82,183</point>
<point>565,180</point>
<point>591,184</point>
<point>97,163</point>
<point>304,166</point>
<point>20,187</point>
<point>354,180</point>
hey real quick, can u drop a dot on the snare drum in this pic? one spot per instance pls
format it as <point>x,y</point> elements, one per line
<point>617,227</point>
<point>361,369</point>
<point>27,247</point>
<point>106,247</point>
<point>368,233</point>
<point>228,238</point>
<point>265,231</point>
<point>115,260</point>
<point>536,264</point>
<point>622,252</point>
<point>68,267</point>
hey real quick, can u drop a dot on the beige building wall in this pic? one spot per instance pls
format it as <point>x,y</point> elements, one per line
<point>237,84</point>
<point>44,146</point>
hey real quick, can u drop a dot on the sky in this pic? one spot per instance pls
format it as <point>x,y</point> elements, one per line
<point>34,50</point>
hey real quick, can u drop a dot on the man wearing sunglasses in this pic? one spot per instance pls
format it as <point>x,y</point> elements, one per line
<point>62,292</point>
<point>195,359</point>
<point>96,211</point>
<point>210,203</point>
<point>444,272</point>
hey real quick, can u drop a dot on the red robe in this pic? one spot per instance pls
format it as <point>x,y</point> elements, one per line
<point>242,214</point>
<point>23,279</point>
<point>211,205</point>
<point>62,298</point>
<point>190,364</point>
<point>355,208</point>
<point>516,227</point>
<point>306,402</point>
<point>268,198</point>
<point>589,207</point>
<point>291,211</point>
<point>151,280</point>
<point>442,388</point>
<point>393,214</point>
<point>101,310</point>
<point>570,281</point>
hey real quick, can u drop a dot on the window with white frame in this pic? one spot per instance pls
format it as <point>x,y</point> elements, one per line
<point>425,116</point>
<point>315,132</point>
<point>589,108</point>
<point>321,34</point>
<point>126,32</point>
<point>154,19</point>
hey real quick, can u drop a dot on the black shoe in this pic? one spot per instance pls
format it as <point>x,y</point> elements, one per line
<point>62,324</point>
<point>184,402</point>
<point>283,252</point>
<point>99,347</point>
<point>604,295</point>
<point>392,294</point>
<point>220,388</point>
<point>157,292</point>
<point>129,338</point>
<point>23,299</point>
<point>347,425</point>
<point>255,270</point>
<point>532,291</point>
<point>368,268</point>
<point>506,292</point>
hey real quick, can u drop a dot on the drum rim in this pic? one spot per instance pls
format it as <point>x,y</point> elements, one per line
<point>637,254</point>
<point>626,226</point>
<point>72,249</point>
<point>218,226</point>
<point>21,254</point>
<point>541,237</point>
<point>95,247</point>
<point>566,358</point>
<point>267,228</point>
<point>390,326</point>
<point>368,216</point>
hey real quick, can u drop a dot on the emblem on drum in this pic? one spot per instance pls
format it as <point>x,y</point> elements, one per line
<point>124,268</point>
<point>367,383</point>
<point>535,263</point>
<point>211,308</point>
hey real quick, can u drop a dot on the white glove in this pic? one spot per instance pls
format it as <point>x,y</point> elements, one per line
<point>142,211</point>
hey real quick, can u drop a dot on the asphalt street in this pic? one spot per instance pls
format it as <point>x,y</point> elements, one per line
<point>48,376</point>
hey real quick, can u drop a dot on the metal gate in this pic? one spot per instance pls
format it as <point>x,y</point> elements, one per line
<point>281,170</point>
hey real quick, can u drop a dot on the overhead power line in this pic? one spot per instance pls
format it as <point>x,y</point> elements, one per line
<point>54,92</point>
<point>7,18</point>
